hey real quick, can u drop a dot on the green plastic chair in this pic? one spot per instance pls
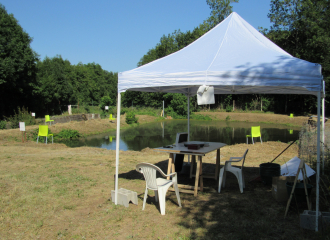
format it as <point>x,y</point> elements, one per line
<point>111,118</point>
<point>43,132</point>
<point>47,119</point>
<point>255,132</point>
<point>291,115</point>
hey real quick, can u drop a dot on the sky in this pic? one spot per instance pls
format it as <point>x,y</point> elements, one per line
<point>115,33</point>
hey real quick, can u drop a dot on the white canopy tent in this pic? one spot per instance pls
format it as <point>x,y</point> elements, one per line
<point>234,58</point>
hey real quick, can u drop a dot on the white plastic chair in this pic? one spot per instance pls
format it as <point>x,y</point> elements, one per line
<point>238,172</point>
<point>159,185</point>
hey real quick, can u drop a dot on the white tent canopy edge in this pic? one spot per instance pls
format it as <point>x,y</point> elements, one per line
<point>234,58</point>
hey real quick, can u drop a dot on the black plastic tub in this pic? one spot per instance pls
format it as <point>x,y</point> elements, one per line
<point>268,171</point>
<point>299,191</point>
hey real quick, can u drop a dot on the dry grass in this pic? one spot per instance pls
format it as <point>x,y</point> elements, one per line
<point>56,192</point>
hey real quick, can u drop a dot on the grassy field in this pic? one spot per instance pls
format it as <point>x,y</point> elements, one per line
<point>55,192</point>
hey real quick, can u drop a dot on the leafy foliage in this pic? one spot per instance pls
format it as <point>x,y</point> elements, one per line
<point>130,118</point>
<point>17,65</point>
<point>22,115</point>
<point>67,134</point>
<point>3,124</point>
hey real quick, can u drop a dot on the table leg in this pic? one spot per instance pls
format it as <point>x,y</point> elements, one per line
<point>193,161</point>
<point>201,173</point>
<point>197,177</point>
<point>217,165</point>
<point>169,166</point>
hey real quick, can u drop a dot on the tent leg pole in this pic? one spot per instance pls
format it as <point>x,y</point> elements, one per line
<point>318,161</point>
<point>188,97</point>
<point>117,146</point>
<point>323,127</point>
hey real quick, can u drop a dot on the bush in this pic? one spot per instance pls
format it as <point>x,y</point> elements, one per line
<point>21,116</point>
<point>200,117</point>
<point>130,118</point>
<point>228,118</point>
<point>67,134</point>
<point>3,124</point>
<point>229,109</point>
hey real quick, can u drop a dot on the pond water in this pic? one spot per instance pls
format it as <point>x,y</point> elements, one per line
<point>158,134</point>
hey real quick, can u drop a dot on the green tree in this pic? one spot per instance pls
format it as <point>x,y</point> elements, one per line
<point>17,66</point>
<point>55,84</point>
<point>301,27</point>
<point>220,9</point>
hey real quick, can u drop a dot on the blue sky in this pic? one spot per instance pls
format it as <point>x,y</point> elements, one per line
<point>115,33</point>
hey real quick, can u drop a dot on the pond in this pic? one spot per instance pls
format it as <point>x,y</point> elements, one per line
<point>158,134</point>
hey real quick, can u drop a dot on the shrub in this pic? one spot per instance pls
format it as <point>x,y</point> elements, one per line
<point>130,118</point>
<point>228,118</point>
<point>229,109</point>
<point>3,124</point>
<point>21,116</point>
<point>200,117</point>
<point>68,134</point>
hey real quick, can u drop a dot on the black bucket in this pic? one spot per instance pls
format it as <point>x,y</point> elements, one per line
<point>299,191</point>
<point>268,171</point>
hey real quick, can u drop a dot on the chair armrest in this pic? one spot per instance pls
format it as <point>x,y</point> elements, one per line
<point>168,175</point>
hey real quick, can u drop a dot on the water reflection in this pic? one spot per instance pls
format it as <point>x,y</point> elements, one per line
<point>158,134</point>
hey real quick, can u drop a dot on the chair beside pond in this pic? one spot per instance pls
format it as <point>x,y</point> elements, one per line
<point>43,132</point>
<point>111,118</point>
<point>238,172</point>
<point>158,185</point>
<point>255,132</point>
<point>47,119</point>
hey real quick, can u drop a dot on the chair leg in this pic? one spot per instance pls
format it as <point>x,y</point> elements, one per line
<point>247,140</point>
<point>46,140</point>
<point>162,200</point>
<point>156,195</point>
<point>220,179</point>
<point>177,193</point>
<point>240,182</point>
<point>252,140</point>
<point>145,198</point>
<point>260,140</point>
<point>37,139</point>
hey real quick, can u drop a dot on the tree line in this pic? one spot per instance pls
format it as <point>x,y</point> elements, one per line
<point>47,86</point>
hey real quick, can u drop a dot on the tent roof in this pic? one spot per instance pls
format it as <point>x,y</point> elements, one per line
<point>234,58</point>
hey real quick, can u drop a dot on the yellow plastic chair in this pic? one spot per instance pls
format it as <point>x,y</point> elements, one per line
<point>43,132</point>
<point>47,119</point>
<point>255,132</point>
<point>291,115</point>
<point>111,118</point>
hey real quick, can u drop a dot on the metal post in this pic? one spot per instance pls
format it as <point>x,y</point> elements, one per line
<point>117,147</point>
<point>318,162</point>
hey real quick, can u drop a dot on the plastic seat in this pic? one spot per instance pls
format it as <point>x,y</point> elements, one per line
<point>159,185</point>
<point>43,132</point>
<point>291,115</point>
<point>47,119</point>
<point>111,118</point>
<point>238,172</point>
<point>255,132</point>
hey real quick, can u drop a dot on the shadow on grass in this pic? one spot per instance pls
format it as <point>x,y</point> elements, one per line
<point>253,214</point>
